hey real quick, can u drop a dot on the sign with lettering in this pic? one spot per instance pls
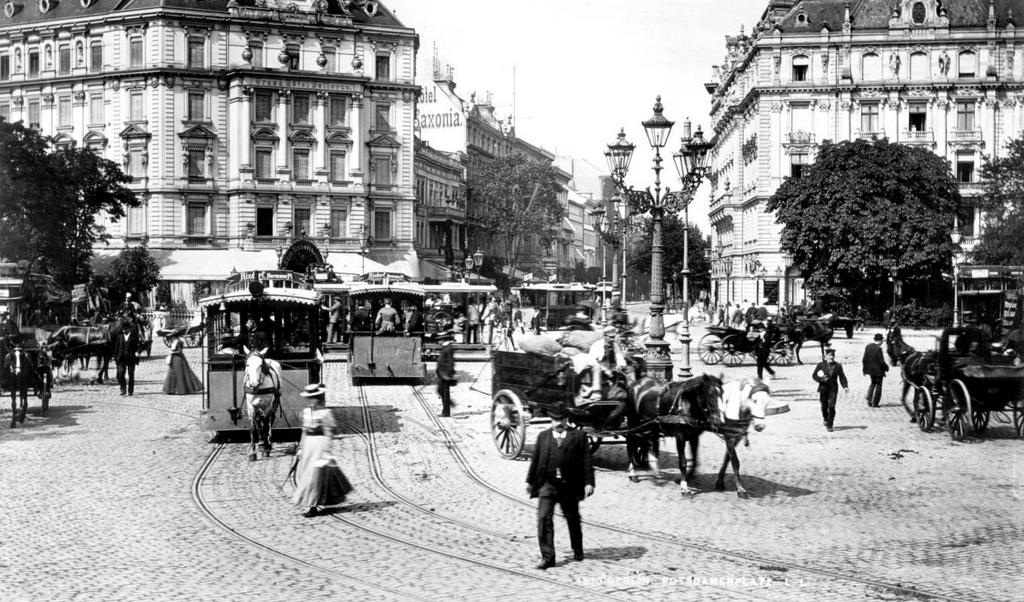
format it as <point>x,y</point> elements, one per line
<point>305,85</point>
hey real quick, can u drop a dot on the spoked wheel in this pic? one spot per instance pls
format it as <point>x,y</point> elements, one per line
<point>979,421</point>
<point>781,354</point>
<point>924,405</point>
<point>709,350</point>
<point>957,425</point>
<point>508,425</point>
<point>1018,417</point>
<point>960,409</point>
<point>730,348</point>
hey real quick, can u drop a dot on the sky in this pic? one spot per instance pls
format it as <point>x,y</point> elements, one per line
<point>585,68</point>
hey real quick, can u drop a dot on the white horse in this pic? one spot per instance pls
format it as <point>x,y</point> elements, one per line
<point>262,386</point>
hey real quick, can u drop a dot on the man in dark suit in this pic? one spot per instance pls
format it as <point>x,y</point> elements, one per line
<point>361,322</point>
<point>875,367</point>
<point>560,472</point>
<point>829,375</point>
<point>446,376</point>
<point>126,348</point>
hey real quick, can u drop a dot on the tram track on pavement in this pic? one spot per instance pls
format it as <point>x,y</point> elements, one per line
<point>211,515</point>
<point>755,560</point>
<point>366,433</point>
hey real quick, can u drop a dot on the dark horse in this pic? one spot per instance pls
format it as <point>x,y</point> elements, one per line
<point>915,366</point>
<point>19,374</point>
<point>798,332</point>
<point>70,342</point>
<point>685,409</point>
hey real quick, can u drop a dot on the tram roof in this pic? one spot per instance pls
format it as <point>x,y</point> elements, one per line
<point>274,286</point>
<point>556,286</point>
<point>392,288</point>
<point>459,287</point>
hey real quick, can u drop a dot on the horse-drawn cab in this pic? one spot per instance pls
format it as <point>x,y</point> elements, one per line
<point>381,348</point>
<point>962,382</point>
<point>262,319</point>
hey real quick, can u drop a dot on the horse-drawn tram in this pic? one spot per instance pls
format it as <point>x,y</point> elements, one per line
<point>387,343</point>
<point>263,349</point>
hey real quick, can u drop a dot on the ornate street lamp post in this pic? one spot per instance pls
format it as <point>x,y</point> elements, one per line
<point>691,163</point>
<point>955,237</point>
<point>597,217</point>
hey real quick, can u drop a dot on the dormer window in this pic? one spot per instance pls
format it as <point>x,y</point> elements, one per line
<point>801,64</point>
<point>918,13</point>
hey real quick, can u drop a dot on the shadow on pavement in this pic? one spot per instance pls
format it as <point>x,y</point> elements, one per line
<point>37,426</point>
<point>850,428</point>
<point>382,418</point>
<point>365,507</point>
<point>623,553</point>
<point>757,487</point>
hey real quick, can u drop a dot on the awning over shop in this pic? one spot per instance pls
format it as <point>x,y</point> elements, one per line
<point>353,264</point>
<point>198,264</point>
<point>435,271</point>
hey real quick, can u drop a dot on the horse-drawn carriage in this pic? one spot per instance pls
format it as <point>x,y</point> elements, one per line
<point>526,386</point>
<point>962,382</point>
<point>728,345</point>
<point>263,349</point>
<point>36,377</point>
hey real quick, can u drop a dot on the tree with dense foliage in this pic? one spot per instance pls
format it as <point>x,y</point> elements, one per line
<point>516,201</point>
<point>1002,234</point>
<point>673,232</point>
<point>51,200</point>
<point>134,270</point>
<point>864,210</point>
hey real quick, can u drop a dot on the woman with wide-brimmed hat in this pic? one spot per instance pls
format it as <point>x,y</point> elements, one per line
<point>319,481</point>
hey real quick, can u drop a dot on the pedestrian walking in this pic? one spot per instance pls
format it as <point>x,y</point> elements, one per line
<point>126,348</point>
<point>829,375</point>
<point>560,473</point>
<point>763,348</point>
<point>319,481</point>
<point>446,377</point>
<point>180,379</point>
<point>875,368</point>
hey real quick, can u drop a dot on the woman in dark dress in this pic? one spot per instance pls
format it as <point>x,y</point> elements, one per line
<point>180,379</point>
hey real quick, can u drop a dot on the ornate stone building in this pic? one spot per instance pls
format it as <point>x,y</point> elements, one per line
<point>947,76</point>
<point>449,123</point>
<point>245,123</point>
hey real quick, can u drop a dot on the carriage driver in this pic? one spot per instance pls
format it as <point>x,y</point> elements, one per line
<point>129,307</point>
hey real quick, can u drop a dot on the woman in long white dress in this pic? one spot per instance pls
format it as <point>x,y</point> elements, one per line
<point>319,481</point>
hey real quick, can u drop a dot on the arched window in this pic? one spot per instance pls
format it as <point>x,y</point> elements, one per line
<point>871,67</point>
<point>967,64</point>
<point>919,67</point>
<point>801,65</point>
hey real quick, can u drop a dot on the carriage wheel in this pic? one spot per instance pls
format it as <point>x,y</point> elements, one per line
<point>925,407</point>
<point>1018,417</point>
<point>979,421</point>
<point>731,349</point>
<point>508,424</point>
<point>960,398</point>
<point>732,358</point>
<point>957,425</point>
<point>709,350</point>
<point>781,354</point>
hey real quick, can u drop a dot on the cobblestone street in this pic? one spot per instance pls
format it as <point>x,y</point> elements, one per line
<point>118,498</point>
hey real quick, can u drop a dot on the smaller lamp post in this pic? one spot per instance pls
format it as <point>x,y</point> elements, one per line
<point>478,260</point>
<point>364,243</point>
<point>892,278</point>
<point>955,237</point>
<point>280,255</point>
<point>597,219</point>
<point>778,286</point>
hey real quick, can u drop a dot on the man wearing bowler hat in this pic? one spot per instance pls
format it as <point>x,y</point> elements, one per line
<point>829,375</point>
<point>445,372</point>
<point>560,472</point>
<point>875,368</point>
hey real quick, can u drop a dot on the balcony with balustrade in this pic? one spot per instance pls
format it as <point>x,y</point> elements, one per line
<point>918,137</point>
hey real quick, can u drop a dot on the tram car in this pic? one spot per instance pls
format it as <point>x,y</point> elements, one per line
<point>379,351</point>
<point>552,303</point>
<point>277,310</point>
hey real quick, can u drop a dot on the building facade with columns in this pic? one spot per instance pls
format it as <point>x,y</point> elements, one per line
<point>245,124</point>
<point>946,76</point>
